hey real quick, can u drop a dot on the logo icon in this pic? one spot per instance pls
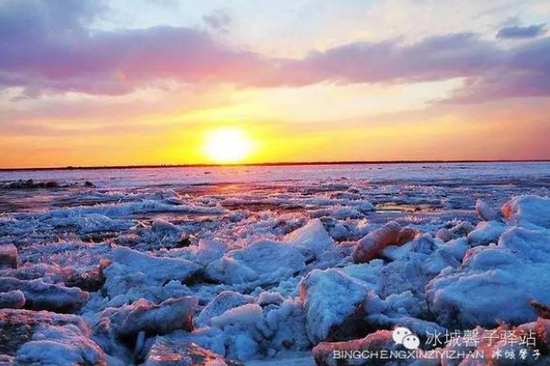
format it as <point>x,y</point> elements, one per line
<point>404,336</point>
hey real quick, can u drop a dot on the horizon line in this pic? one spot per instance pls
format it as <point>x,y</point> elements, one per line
<point>295,163</point>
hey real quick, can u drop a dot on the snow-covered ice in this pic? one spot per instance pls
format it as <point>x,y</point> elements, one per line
<point>271,266</point>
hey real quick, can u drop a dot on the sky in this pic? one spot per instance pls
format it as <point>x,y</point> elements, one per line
<point>139,82</point>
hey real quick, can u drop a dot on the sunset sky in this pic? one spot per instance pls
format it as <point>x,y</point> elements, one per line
<point>130,82</point>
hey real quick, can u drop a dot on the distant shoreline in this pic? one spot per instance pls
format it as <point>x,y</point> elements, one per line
<point>298,163</point>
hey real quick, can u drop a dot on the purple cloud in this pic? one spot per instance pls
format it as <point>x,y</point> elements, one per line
<point>46,46</point>
<point>521,32</point>
<point>524,72</point>
<point>435,58</point>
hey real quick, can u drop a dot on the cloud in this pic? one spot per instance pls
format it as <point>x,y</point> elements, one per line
<point>436,58</point>
<point>218,20</point>
<point>46,46</point>
<point>521,32</point>
<point>523,72</point>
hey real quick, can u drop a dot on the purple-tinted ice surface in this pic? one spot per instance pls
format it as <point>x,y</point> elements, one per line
<point>270,265</point>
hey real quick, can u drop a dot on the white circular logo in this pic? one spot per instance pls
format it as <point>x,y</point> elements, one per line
<point>411,342</point>
<point>399,334</point>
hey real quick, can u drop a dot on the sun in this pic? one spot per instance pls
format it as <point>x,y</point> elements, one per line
<point>228,145</point>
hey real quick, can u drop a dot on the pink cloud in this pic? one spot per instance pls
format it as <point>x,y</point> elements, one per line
<point>45,46</point>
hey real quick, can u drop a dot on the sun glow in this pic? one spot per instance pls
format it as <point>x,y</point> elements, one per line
<point>228,145</point>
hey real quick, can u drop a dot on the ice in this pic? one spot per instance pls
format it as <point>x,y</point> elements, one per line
<point>286,359</point>
<point>269,297</point>
<point>365,206</point>
<point>94,222</point>
<point>162,227</point>
<point>12,299</point>
<point>456,248</point>
<point>167,353</point>
<point>230,271</point>
<point>262,270</point>
<point>528,210</point>
<point>288,324</point>
<point>226,300</point>
<point>170,315</point>
<point>486,232</point>
<point>460,229</point>
<point>323,353</point>
<point>17,327</point>
<point>60,346</point>
<point>369,273</point>
<point>403,275</point>
<point>245,326</point>
<point>495,283</point>
<point>240,316</point>
<point>140,273</point>
<point>331,299</point>
<point>312,240</point>
<point>373,243</point>
<point>8,256</point>
<point>128,209</point>
<point>487,213</point>
<point>210,250</point>
<point>265,261</point>
<point>44,296</point>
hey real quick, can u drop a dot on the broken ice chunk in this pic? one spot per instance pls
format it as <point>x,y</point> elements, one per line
<point>169,353</point>
<point>486,232</point>
<point>45,296</point>
<point>373,243</point>
<point>528,211</point>
<point>224,301</point>
<point>486,212</point>
<point>495,283</point>
<point>312,240</point>
<point>12,300</point>
<point>170,315</point>
<point>8,256</point>
<point>139,272</point>
<point>333,300</point>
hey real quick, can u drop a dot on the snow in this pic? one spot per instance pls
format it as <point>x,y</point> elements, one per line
<point>486,232</point>
<point>243,315</point>
<point>210,250</point>
<point>330,298</point>
<point>269,297</point>
<point>44,296</point>
<point>487,213</point>
<point>288,325</point>
<point>12,299</point>
<point>142,315</point>
<point>225,301</point>
<point>263,270</point>
<point>128,209</point>
<point>264,261</point>
<point>60,346</point>
<point>230,271</point>
<point>138,274</point>
<point>8,256</point>
<point>528,210</point>
<point>312,240</point>
<point>495,283</point>
<point>45,338</point>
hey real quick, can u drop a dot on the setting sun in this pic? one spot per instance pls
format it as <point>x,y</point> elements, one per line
<point>228,145</point>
